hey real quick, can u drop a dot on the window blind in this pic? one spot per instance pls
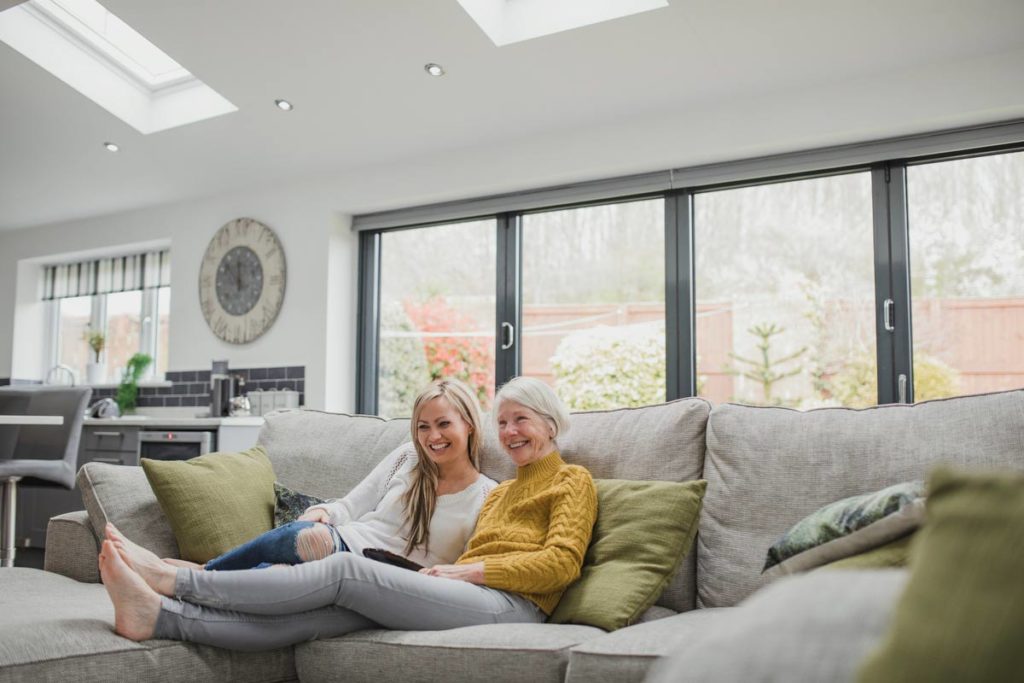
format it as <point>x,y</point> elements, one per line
<point>107,275</point>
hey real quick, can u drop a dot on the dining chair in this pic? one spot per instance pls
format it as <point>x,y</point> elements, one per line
<point>38,455</point>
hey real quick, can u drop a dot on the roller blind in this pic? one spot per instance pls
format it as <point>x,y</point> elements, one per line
<point>107,275</point>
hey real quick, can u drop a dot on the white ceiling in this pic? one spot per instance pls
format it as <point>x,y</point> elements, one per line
<point>354,70</point>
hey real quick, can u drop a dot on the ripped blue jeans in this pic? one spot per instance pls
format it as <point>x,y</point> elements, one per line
<point>292,543</point>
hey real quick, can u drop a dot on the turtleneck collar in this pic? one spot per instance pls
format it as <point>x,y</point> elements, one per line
<point>540,470</point>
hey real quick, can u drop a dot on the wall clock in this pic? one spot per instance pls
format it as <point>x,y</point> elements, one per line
<point>241,281</point>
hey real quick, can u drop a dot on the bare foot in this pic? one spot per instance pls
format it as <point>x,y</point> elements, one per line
<point>136,605</point>
<point>154,571</point>
<point>175,562</point>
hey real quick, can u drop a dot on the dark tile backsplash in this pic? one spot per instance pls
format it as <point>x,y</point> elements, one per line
<point>192,387</point>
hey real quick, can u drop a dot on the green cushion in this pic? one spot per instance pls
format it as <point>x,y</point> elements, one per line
<point>216,501</point>
<point>848,527</point>
<point>643,531</point>
<point>961,617</point>
<point>289,504</point>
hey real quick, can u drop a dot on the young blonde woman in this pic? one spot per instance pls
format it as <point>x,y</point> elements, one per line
<point>421,501</point>
<point>528,547</point>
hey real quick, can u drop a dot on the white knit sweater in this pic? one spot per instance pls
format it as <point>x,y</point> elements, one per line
<point>372,515</point>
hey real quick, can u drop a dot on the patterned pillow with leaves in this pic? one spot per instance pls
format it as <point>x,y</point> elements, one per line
<point>848,527</point>
<point>288,504</point>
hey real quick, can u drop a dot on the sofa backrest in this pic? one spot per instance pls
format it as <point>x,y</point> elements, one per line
<point>326,454</point>
<point>767,468</point>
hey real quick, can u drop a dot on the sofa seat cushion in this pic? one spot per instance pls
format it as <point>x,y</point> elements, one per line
<point>627,654</point>
<point>494,652</point>
<point>767,468</point>
<point>56,629</point>
<point>803,628</point>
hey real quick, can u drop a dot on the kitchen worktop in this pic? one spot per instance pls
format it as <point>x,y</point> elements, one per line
<point>173,421</point>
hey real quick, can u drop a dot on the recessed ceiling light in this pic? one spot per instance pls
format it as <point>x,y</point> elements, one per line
<point>111,146</point>
<point>284,105</point>
<point>434,69</point>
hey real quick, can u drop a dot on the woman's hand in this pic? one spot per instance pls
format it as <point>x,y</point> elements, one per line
<point>315,515</point>
<point>473,573</point>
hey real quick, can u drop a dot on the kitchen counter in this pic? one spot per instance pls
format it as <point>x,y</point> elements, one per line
<point>175,422</point>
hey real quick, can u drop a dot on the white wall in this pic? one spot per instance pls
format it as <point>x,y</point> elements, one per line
<point>316,326</point>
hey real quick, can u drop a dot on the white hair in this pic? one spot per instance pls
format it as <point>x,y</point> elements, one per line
<point>534,394</point>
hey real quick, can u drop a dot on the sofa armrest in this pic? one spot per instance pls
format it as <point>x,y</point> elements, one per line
<point>71,547</point>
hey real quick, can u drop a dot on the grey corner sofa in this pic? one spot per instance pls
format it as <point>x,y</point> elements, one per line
<point>766,469</point>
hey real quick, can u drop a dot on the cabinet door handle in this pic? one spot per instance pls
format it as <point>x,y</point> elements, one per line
<point>117,434</point>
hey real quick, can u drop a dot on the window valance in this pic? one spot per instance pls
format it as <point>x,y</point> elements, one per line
<point>107,275</point>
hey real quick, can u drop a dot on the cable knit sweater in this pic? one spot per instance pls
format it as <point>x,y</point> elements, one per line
<point>533,531</point>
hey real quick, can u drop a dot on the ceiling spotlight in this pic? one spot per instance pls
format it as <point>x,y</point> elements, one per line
<point>110,146</point>
<point>434,69</point>
<point>284,105</point>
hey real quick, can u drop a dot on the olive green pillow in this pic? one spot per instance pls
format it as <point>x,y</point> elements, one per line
<point>961,617</point>
<point>216,501</point>
<point>643,531</point>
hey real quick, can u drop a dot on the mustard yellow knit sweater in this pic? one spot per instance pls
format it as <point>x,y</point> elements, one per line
<point>533,531</point>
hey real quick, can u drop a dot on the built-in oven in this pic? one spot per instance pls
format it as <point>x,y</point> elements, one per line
<point>168,445</point>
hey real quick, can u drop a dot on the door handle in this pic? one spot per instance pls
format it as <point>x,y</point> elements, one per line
<point>888,307</point>
<point>509,336</point>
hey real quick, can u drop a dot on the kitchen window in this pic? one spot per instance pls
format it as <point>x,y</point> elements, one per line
<point>124,298</point>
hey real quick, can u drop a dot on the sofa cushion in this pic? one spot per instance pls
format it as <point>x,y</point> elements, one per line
<point>214,502</point>
<point>326,454</point>
<point>122,496</point>
<point>769,467</point>
<point>643,531</point>
<point>57,629</point>
<point>808,627</point>
<point>494,652</point>
<point>962,615</point>
<point>627,654</point>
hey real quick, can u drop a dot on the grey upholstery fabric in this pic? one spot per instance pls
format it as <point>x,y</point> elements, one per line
<point>767,468</point>
<point>626,655</point>
<point>806,628</point>
<point>71,547</point>
<point>326,454</point>
<point>123,496</point>
<point>492,653</point>
<point>72,639</point>
<point>47,452</point>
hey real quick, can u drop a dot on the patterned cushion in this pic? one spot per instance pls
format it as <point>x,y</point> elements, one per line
<point>848,527</point>
<point>288,504</point>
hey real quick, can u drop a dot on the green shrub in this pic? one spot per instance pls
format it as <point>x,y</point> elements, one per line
<point>403,364</point>
<point>856,384</point>
<point>611,367</point>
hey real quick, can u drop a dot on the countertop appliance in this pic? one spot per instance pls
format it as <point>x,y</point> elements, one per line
<point>175,445</point>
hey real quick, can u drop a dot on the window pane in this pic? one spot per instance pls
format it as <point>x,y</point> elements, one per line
<point>163,315</point>
<point>437,311</point>
<point>785,293</point>
<point>594,303</point>
<point>966,221</point>
<point>73,349</point>
<point>124,310</point>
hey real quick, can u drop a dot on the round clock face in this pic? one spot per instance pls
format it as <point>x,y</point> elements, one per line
<point>241,281</point>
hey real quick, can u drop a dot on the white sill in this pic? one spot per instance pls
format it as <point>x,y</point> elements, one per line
<point>153,383</point>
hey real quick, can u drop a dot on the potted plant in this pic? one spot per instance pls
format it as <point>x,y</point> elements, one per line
<point>95,371</point>
<point>128,390</point>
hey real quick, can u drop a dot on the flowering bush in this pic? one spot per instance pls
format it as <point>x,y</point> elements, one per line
<point>611,367</point>
<point>470,359</point>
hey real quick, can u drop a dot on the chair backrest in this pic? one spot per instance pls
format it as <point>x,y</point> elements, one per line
<point>50,452</point>
<point>11,403</point>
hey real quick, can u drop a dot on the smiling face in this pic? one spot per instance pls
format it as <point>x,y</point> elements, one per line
<point>442,433</point>
<point>524,434</point>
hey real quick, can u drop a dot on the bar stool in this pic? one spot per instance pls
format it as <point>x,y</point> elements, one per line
<point>39,455</point>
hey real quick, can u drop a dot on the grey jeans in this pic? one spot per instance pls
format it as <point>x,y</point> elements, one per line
<point>259,609</point>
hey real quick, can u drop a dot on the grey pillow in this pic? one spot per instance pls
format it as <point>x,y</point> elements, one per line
<point>122,495</point>
<point>848,527</point>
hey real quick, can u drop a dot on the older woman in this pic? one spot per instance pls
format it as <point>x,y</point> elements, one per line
<point>528,546</point>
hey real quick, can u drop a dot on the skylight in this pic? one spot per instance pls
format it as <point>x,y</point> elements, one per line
<point>108,61</point>
<point>512,21</point>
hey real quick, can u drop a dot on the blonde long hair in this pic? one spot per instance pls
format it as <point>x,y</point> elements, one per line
<point>421,498</point>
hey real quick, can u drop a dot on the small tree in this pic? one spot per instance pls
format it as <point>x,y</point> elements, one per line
<point>766,370</point>
<point>96,341</point>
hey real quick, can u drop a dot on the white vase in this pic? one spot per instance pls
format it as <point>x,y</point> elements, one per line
<point>95,373</point>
